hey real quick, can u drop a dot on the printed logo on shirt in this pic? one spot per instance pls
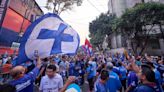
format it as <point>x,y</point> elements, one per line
<point>111,76</point>
<point>19,87</point>
<point>133,83</point>
<point>46,83</point>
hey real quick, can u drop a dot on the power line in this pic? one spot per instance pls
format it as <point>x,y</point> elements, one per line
<point>94,6</point>
<point>84,18</point>
<point>102,5</point>
<point>77,23</point>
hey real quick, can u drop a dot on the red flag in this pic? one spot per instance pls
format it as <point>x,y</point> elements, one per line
<point>87,43</point>
<point>88,47</point>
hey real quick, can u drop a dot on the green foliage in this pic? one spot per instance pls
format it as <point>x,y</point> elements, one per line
<point>143,14</point>
<point>99,28</point>
<point>62,5</point>
<point>134,23</point>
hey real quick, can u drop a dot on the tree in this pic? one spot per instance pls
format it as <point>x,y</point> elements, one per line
<point>138,22</point>
<point>99,28</point>
<point>62,5</point>
<point>143,1</point>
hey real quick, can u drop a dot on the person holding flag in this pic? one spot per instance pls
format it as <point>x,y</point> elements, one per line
<point>48,35</point>
<point>87,47</point>
<point>24,82</point>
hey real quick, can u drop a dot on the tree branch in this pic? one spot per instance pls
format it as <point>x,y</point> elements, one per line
<point>160,26</point>
<point>146,41</point>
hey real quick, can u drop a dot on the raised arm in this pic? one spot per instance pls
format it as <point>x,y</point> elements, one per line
<point>70,80</point>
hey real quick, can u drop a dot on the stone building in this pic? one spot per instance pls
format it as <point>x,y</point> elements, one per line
<point>15,17</point>
<point>118,7</point>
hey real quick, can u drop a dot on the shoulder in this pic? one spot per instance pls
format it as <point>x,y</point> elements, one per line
<point>113,74</point>
<point>144,88</point>
<point>45,77</point>
<point>97,84</point>
<point>58,76</point>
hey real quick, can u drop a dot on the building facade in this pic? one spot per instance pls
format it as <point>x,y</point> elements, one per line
<point>118,7</point>
<point>15,17</point>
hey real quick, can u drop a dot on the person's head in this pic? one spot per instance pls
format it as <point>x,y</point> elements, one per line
<point>17,72</point>
<point>45,60</point>
<point>9,61</point>
<point>103,65</point>
<point>150,64</point>
<point>90,59</point>
<point>138,58</point>
<point>119,64</point>
<point>7,88</point>
<point>109,66</point>
<point>146,74</point>
<point>161,62</point>
<point>159,58</point>
<point>64,58</point>
<point>90,63</point>
<point>104,76</point>
<point>51,70</point>
<point>129,67</point>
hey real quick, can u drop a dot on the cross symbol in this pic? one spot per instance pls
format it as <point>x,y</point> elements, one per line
<point>58,35</point>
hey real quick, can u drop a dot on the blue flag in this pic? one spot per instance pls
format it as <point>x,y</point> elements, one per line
<point>48,35</point>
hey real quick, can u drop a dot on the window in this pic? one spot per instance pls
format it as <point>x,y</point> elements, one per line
<point>154,43</point>
<point>32,18</point>
<point>0,2</point>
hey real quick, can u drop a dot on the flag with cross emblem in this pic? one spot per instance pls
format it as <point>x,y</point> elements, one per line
<point>48,35</point>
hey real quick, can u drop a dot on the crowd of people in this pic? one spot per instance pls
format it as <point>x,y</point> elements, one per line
<point>104,72</point>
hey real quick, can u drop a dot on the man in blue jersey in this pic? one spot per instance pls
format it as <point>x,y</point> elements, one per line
<point>158,78</point>
<point>72,67</point>
<point>132,79</point>
<point>24,82</point>
<point>122,75</point>
<point>147,78</point>
<point>90,75</point>
<point>101,83</point>
<point>113,83</point>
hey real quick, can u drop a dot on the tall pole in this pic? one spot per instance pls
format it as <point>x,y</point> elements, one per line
<point>112,6</point>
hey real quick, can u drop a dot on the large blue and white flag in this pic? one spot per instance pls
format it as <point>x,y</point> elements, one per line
<point>49,35</point>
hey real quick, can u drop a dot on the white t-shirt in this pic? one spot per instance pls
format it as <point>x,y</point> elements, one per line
<point>51,85</point>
